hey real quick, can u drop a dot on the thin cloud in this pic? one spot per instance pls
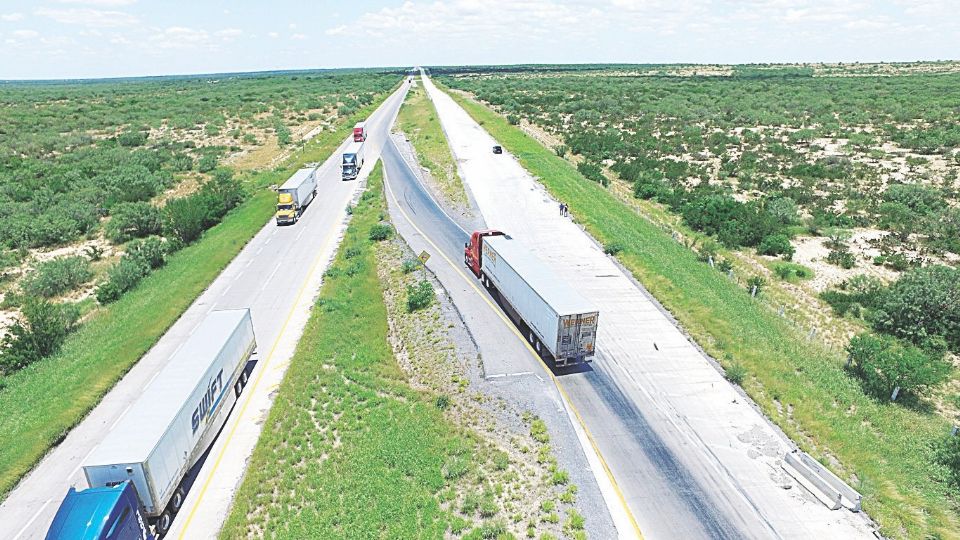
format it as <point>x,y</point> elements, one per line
<point>89,17</point>
<point>11,17</point>
<point>100,3</point>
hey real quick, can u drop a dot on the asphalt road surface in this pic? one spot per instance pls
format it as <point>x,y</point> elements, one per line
<point>277,275</point>
<point>691,455</point>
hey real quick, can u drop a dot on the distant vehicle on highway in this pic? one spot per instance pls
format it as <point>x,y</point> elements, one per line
<point>497,149</point>
<point>560,323</point>
<point>360,132</point>
<point>352,161</point>
<point>135,474</point>
<point>295,194</point>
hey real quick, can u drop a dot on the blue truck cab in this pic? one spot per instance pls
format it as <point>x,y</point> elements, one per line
<point>102,513</point>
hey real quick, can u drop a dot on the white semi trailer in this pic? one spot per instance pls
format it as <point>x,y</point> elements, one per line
<point>560,323</point>
<point>295,194</point>
<point>167,428</point>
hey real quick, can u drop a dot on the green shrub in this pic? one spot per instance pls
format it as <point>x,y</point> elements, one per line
<point>58,276</point>
<point>840,255</point>
<point>151,251</point>
<point>124,275</point>
<point>207,163</point>
<point>409,265</point>
<point>37,333</point>
<point>419,296</point>
<point>776,244</point>
<point>132,138</point>
<point>612,248</point>
<point>947,454</point>
<point>736,373</point>
<point>186,218</point>
<point>882,363</point>
<point>560,150</point>
<point>380,232</point>
<point>592,171</point>
<point>133,220</point>
<point>708,250</point>
<point>922,304</point>
<point>756,281</point>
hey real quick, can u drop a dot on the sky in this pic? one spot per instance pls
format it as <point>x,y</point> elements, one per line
<point>59,39</point>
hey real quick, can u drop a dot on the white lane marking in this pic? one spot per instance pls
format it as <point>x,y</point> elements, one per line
<point>267,281</point>
<point>259,250</point>
<point>150,381</point>
<point>517,374</point>
<point>224,293</point>
<point>117,421</point>
<point>73,472</point>
<point>34,518</point>
<point>249,263</point>
<point>299,234</point>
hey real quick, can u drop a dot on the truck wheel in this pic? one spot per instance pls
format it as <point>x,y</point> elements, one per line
<point>164,522</point>
<point>243,377</point>
<point>176,502</point>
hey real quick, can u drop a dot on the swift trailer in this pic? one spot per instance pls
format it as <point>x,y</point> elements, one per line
<point>352,161</point>
<point>560,323</point>
<point>360,132</point>
<point>295,194</point>
<point>136,472</point>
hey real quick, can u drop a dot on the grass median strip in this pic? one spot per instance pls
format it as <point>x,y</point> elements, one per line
<point>418,120</point>
<point>884,450</point>
<point>42,402</point>
<point>349,448</point>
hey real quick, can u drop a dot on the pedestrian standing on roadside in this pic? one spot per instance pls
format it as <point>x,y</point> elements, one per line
<point>561,208</point>
<point>565,210</point>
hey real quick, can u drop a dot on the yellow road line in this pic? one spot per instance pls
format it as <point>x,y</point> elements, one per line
<point>513,328</point>
<point>256,382</point>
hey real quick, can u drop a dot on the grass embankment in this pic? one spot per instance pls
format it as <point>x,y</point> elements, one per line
<point>883,449</point>
<point>41,403</point>
<point>418,120</point>
<point>349,448</point>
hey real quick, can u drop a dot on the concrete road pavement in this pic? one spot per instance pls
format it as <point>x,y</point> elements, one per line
<point>277,275</point>
<point>693,456</point>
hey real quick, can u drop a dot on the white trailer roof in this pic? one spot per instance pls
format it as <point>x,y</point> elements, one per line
<point>138,431</point>
<point>554,291</point>
<point>297,178</point>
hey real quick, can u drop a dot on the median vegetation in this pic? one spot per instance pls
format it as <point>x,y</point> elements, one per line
<point>418,121</point>
<point>897,454</point>
<point>349,449</point>
<point>146,290</point>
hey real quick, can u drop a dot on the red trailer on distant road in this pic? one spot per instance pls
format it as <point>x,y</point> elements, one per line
<point>360,132</point>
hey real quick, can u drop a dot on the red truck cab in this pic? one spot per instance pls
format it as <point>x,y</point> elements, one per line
<point>360,132</point>
<point>473,249</point>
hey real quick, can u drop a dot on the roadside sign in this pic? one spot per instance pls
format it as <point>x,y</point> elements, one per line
<point>424,256</point>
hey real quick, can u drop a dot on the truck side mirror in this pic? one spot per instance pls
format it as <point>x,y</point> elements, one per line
<point>466,245</point>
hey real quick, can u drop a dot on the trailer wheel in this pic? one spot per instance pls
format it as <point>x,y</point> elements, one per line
<point>243,377</point>
<point>164,522</point>
<point>539,348</point>
<point>176,502</point>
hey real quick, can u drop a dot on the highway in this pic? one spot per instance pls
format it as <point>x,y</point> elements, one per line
<point>277,275</point>
<point>511,368</point>
<point>690,454</point>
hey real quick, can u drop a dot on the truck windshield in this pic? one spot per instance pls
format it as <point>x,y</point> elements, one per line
<point>284,207</point>
<point>349,159</point>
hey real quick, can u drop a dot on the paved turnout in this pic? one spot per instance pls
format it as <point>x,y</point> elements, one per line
<point>277,275</point>
<point>693,457</point>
